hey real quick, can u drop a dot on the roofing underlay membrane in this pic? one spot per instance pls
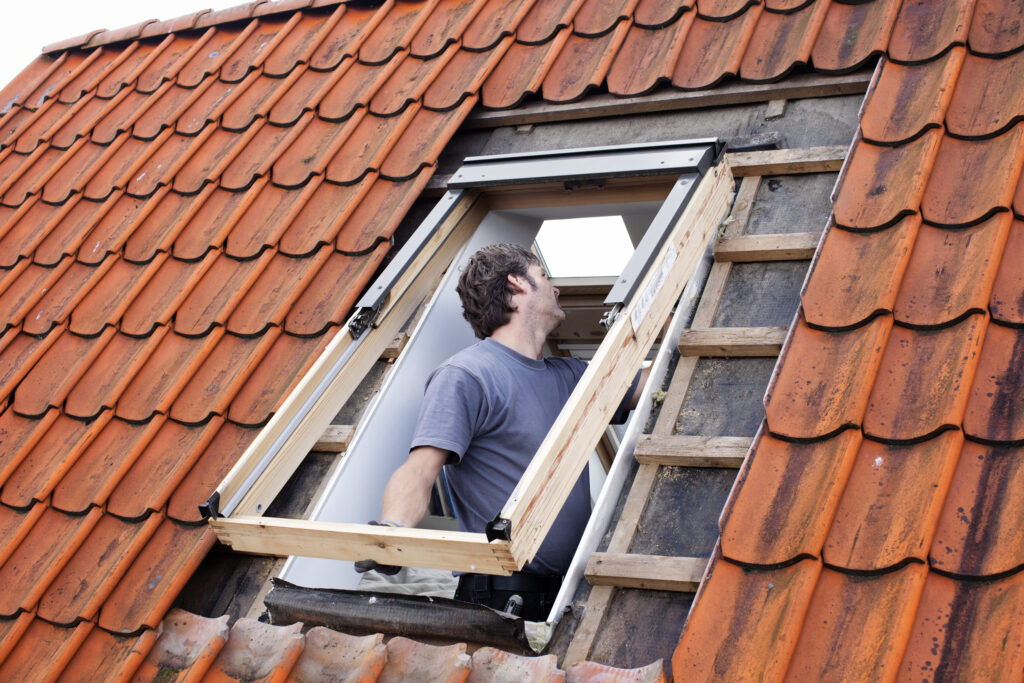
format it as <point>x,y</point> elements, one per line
<point>189,208</point>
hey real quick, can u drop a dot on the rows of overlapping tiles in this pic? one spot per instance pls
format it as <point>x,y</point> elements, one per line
<point>878,519</point>
<point>189,208</point>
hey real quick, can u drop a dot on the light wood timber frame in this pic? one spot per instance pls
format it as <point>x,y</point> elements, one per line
<point>650,572</point>
<point>546,484</point>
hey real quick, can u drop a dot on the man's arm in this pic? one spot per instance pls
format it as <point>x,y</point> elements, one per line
<point>634,398</point>
<point>408,491</point>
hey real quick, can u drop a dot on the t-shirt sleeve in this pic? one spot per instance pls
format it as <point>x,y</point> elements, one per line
<point>453,410</point>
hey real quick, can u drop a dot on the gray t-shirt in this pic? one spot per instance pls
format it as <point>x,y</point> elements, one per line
<point>492,407</point>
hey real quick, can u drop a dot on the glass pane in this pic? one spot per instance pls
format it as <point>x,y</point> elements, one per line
<point>584,247</point>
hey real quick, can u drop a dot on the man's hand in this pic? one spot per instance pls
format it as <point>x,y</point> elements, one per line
<point>363,566</point>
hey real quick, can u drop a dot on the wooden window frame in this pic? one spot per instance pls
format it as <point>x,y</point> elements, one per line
<point>699,183</point>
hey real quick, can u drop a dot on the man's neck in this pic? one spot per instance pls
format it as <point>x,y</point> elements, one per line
<point>528,342</point>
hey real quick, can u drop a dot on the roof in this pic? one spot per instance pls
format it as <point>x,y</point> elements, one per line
<point>189,208</point>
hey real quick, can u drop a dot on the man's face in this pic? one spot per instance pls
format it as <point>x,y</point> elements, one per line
<point>543,300</point>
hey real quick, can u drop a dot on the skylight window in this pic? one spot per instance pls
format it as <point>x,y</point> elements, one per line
<point>584,247</point>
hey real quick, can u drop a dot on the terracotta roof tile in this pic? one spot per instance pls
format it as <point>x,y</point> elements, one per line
<point>117,169</point>
<point>266,219</point>
<point>91,574</point>
<point>275,290</point>
<point>77,226</point>
<point>26,130</point>
<point>40,556</point>
<point>954,198</point>
<point>545,19</point>
<point>125,73</point>
<point>259,154</point>
<point>51,379</point>
<point>996,28</point>
<point>11,631</point>
<point>50,85</point>
<point>805,481</point>
<point>18,436</point>
<point>979,532</point>
<point>43,651</point>
<point>57,302</point>
<point>830,388</point>
<point>161,296</point>
<point>908,100</point>
<point>157,170</point>
<point>496,19</point>
<point>20,355</point>
<point>406,657</point>
<point>862,200</point>
<point>1007,303</point>
<point>592,672</point>
<point>25,291</point>
<point>408,82</point>
<point>258,651</point>
<point>892,503</point>
<point>298,165</point>
<point>229,15</point>
<point>166,109</point>
<point>993,412</point>
<point>214,103</point>
<point>108,376</point>
<point>106,60</point>
<point>714,49</point>
<point>284,101</point>
<point>215,296</point>
<point>463,76</point>
<point>412,154</point>
<point>852,34</point>
<point>18,90</point>
<point>347,35</point>
<point>330,655</point>
<point>781,41</point>
<point>596,17</point>
<point>354,88</point>
<point>925,29</point>
<point>109,299</point>
<point>445,24</point>
<point>155,578</point>
<point>212,158</point>
<point>379,213</point>
<point>49,460</point>
<point>582,65</point>
<point>99,469</point>
<point>951,272</point>
<point>213,221</point>
<point>208,472</point>
<point>856,626</point>
<point>267,34</point>
<point>521,71</point>
<point>324,214</point>
<point>327,300</point>
<point>723,10</point>
<point>404,19</point>
<point>79,121</point>
<point>988,98</point>
<point>166,216</point>
<point>108,657</point>
<point>298,45</point>
<point>491,664</point>
<point>156,386</point>
<point>46,167</point>
<point>15,526</point>
<point>215,53</point>
<point>166,65</point>
<point>705,650</point>
<point>960,624</point>
<point>366,146</point>
<point>647,57</point>
<point>188,644</point>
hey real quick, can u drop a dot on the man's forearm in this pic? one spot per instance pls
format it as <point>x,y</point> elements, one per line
<point>407,494</point>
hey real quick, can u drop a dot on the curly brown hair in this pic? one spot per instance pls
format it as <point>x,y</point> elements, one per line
<point>483,285</point>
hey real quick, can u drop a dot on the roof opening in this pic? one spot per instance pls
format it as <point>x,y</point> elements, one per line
<point>584,247</point>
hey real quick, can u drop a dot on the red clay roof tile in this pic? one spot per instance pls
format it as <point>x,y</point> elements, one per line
<point>229,15</point>
<point>114,119</point>
<point>20,355</point>
<point>50,85</point>
<point>213,299</point>
<point>647,57</point>
<point>997,28</point>
<point>74,228</point>
<point>951,272</point>
<point>165,217</point>
<point>723,10</point>
<point>830,388</point>
<point>40,556</point>
<point>858,274</point>
<point>108,657</point>
<point>267,34</point>
<point>259,154</point>
<point>159,572</point>
<point>784,498</point>
<point>105,60</point>
<point>213,103</point>
<point>892,503</point>
<point>128,70</point>
<point>366,146</point>
<point>157,302</point>
<point>323,215</point>
<point>445,24</point>
<point>852,34</point>
<point>18,436</point>
<point>164,112</point>
<point>545,19</point>
<point>989,97</point>
<point>925,29</point>
<point>907,100</point>
<point>408,82</point>
<point>108,376</point>
<point>213,221</point>
<point>20,240</point>
<point>491,664</point>
<point>156,386</point>
<point>463,76</point>
<point>215,53</point>
<point>209,471</point>
<point>119,167</point>
<point>521,71</point>
<point>15,526</point>
<point>178,24</point>
<point>993,411</point>
<point>354,86</point>
<point>283,101</point>
<point>43,651</point>
<point>298,45</point>
<point>404,19</point>
<point>979,533</point>
<point>266,219</point>
<point>863,199</point>
<point>954,197</point>
<point>187,646</point>
<point>99,469</point>
<point>11,631</point>
<point>268,299</point>
<point>714,49</point>
<point>705,650</point>
<point>318,144</point>
<point>332,291</point>
<point>25,291</point>
<point>49,460</point>
<point>91,574</point>
<point>172,151</point>
<point>413,154</point>
<point>347,35</point>
<point>77,170</point>
<point>171,59</point>
<point>582,65</point>
<point>51,379</point>
<point>406,657</point>
<point>496,19</point>
<point>596,17</point>
<point>210,160</point>
<point>18,90</point>
<point>924,380</point>
<point>258,652</point>
<point>159,468</point>
<point>856,625</point>
<point>960,624</point>
<point>1007,303</point>
<point>592,672</point>
<point>330,655</point>
<point>379,213</point>
<point>781,41</point>
<point>26,130</point>
<point>47,165</point>
<point>114,228</point>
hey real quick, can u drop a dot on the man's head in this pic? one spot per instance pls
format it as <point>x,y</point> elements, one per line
<point>493,276</point>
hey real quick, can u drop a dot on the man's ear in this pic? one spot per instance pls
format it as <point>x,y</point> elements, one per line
<point>516,283</point>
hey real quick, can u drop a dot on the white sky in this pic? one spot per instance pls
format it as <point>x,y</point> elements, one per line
<point>27,25</point>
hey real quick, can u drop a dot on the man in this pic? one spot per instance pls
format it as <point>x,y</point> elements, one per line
<point>485,412</point>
